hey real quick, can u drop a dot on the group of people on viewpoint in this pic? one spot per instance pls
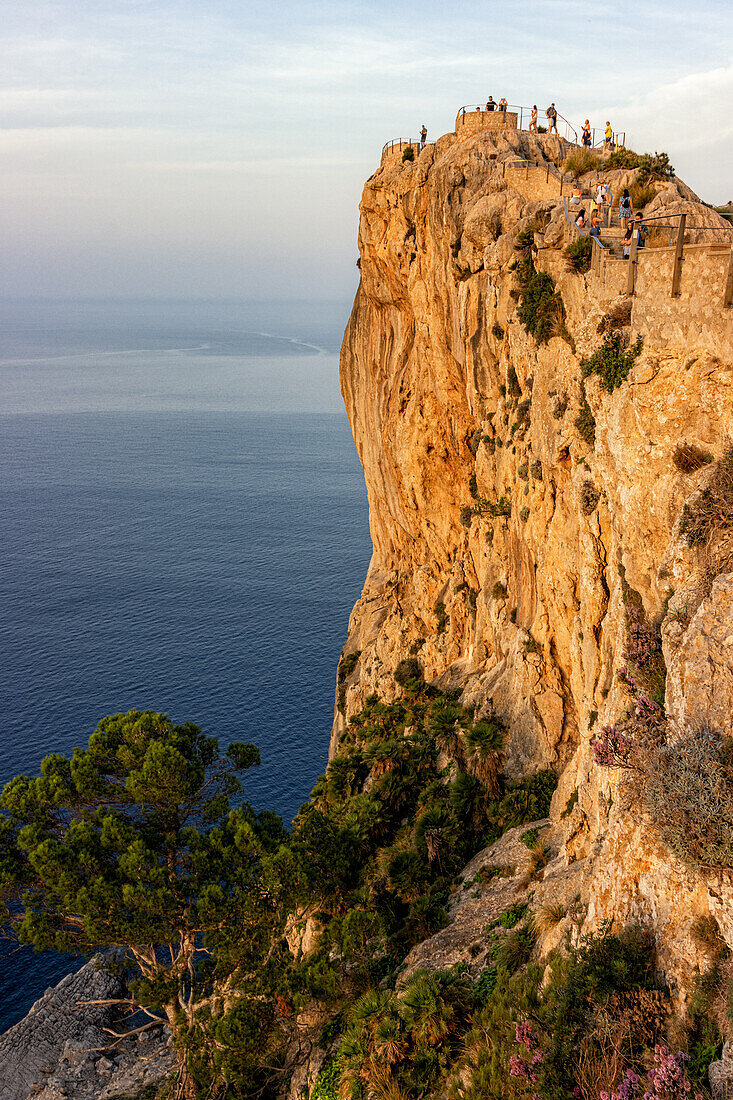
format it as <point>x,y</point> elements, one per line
<point>601,202</point>
<point>550,113</point>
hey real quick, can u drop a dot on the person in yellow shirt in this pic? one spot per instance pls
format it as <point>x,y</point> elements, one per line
<point>608,137</point>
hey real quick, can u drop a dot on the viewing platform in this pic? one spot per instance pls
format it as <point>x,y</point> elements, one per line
<point>471,119</point>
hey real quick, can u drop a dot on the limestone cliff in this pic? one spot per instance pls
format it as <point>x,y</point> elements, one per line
<point>453,403</point>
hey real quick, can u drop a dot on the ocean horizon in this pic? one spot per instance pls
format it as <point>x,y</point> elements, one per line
<point>185,530</point>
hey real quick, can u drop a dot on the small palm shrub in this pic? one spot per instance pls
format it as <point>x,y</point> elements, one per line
<point>613,360</point>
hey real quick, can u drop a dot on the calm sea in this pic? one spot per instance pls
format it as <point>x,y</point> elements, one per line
<point>184,528</point>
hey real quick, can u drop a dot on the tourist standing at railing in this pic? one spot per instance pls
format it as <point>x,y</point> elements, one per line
<point>423,135</point>
<point>641,230</point>
<point>490,105</point>
<point>551,118</point>
<point>586,134</point>
<point>608,137</point>
<point>625,210</point>
<point>503,105</point>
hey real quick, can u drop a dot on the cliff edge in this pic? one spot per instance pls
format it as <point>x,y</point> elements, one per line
<point>527,493</point>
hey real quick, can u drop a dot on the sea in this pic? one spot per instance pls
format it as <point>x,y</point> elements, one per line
<point>183,528</point>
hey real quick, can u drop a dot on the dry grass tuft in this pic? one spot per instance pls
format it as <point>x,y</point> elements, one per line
<point>689,459</point>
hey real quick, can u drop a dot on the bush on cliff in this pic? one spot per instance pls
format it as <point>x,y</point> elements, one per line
<point>541,308</point>
<point>579,254</point>
<point>613,360</point>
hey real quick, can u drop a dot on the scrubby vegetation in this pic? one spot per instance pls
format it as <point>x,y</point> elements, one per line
<point>541,308</point>
<point>654,166</point>
<point>707,520</point>
<point>579,254</point>
<point>581,161</point>
<point>613,360</point>
<point>585,422</point>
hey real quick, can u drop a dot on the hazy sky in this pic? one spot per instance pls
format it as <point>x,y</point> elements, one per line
<point>198,148</point>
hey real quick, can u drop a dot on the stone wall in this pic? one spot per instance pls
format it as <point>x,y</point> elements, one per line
<point>469,122</point>
<point>696,320</point>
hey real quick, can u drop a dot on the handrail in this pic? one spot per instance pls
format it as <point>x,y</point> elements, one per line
<point>517,108</point>
<point>399,141</point>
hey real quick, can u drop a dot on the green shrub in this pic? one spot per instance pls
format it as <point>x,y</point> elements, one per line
<point>511,917</point>
<point>499,591</point>
<point>570,805</point>
<point>653,166</point>
<point>541,308</point>
<point>497,331</point>
<point>579,254</point>
<point>408,154</point>
<point>613,360</point>
<point>347,664</point>
<point>585,422</point>
<point>515,950</point>
<point>581,161</point>
<point>327,1082</point>
<point>530,837</point>
<point>513,387</point>
<point>536,470</point>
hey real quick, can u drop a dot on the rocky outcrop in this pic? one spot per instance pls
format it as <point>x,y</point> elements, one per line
<point>515,504</point>
<point>63,1048</point>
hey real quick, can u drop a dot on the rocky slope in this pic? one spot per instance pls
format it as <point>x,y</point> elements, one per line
<point>63,1047</point>
<point>453,403</point>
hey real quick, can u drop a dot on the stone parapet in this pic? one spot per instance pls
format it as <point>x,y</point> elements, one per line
<point>470,122</point>
<point>696,318</point>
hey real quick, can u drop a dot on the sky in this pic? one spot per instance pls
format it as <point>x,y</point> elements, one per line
<point>207,148</point>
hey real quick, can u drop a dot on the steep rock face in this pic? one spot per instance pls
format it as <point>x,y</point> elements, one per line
<point>453,403</point>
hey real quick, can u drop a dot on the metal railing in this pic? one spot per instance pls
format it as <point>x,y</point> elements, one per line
<point>401,141</point>
<point>524,115</point>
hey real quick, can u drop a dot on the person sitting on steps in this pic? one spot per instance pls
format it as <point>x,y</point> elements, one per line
<point>576,195</point>
<point>595,226</point>
<point>580,220</point>
<point>641,229</point>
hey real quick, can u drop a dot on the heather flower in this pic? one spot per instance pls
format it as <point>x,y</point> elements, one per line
<point>524,1033</point>
<point>612,749</point>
